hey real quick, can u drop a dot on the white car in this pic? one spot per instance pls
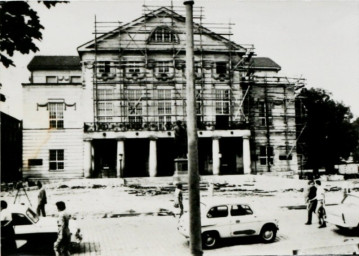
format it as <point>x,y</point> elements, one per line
<point>346,214</point>
<point>29,227</point>
<point>229,218</point>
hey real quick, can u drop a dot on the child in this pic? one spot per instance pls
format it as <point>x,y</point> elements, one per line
<point>322,215</point>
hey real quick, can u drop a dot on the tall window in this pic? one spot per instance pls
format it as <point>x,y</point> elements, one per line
<point>222,102</point>
<point>56,159</point>
<point>105,105</point>
<point>163,35</point>
<point>134,105</point>
<point>199,102</point>
<point>265,113</point>
<point>56,115</point>
<point>164,105</point>
<point>266,155</point>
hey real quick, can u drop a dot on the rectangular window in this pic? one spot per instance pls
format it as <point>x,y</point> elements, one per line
<point>75,79</point>
<point>221,67</point>
<point>199,102</point>
<point>104,66</point>
<point>105,104</point>
<point>135,105</point>
<point>133,67</point>
<point>265,113</point>
<point>222,102</point>
<point>266,155</point>
<point>56,115</point>
<point>51,79</point>
<point>34,162</point>
<point>164,105</point>
<point>56,159</point>
<point>163,66</point>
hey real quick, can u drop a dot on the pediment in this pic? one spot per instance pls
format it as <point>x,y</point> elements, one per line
<point>137,34</point>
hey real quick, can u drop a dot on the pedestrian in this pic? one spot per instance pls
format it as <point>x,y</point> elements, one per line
<point>62,244</point>
<point>8,243</point>
<point>41,200</point>
<point>311,200</point>
<point>178,201</point>
<point>321,203</point>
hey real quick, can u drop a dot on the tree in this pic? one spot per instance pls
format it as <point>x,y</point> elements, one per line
<point>356,131</point>
<point>19,26</point>
<point>329,135</point>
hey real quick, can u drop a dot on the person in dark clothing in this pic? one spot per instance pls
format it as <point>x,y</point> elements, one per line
<point>42,200</point>
<point>8,243</point>
<point>311,200</point>
<point>180,140</point>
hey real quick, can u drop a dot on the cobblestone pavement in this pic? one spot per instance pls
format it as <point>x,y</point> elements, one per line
<point>131,236</point>
<point>153,235</point>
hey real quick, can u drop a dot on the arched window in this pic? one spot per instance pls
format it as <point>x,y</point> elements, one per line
<point>163,35</point>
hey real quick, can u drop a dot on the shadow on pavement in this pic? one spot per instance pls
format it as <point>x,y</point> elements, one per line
<point>347,232</point>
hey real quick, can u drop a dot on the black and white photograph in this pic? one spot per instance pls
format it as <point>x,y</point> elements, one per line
<point>179,127</point>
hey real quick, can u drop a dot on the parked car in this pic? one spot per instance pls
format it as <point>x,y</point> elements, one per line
<point>28,226</point>
<point>229,218</point>
<point>346,214</point>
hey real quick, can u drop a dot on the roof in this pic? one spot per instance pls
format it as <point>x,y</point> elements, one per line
<point>264,63</point>
<point>157,13</point>
<point>54,63</point>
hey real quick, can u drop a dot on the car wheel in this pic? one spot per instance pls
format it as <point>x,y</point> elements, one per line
<point>210,240</point>
<point>268,234</point>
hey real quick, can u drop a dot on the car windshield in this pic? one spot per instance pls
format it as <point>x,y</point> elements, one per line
<point>351,200</point>
<point>32,216</point>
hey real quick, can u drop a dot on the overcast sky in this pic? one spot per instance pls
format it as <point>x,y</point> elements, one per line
<point>318,40</point>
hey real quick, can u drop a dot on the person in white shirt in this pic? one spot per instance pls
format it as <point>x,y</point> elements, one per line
<point>178,201</point>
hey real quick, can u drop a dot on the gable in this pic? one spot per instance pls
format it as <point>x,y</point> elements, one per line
<point>136,35</point>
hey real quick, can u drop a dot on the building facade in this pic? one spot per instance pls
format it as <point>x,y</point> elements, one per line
<point>10,148</point>
<point>111,111</point>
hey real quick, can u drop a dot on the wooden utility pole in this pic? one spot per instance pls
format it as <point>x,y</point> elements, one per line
<point>194,196</point>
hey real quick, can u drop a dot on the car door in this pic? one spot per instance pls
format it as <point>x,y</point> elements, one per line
<point>217,218</point>
<point>243,222</point>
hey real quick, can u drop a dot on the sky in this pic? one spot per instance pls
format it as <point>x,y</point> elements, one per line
<point>316,40</point>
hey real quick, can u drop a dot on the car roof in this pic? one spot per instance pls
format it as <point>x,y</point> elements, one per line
<point>213,201</point>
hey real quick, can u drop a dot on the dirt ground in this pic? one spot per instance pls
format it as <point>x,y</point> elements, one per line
<point>107,199</point>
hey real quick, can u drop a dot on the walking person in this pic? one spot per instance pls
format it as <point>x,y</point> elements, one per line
<point>41,200</point>
<point>321,203</point>
<point>8,243</point>
<point>62,244</point>
<point>178,201</point>
<point>311,200</point>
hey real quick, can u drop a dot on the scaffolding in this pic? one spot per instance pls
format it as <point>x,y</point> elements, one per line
<point>143,88</point>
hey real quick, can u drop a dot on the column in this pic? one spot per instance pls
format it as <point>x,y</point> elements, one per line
<point>246,155</point>
<point>87,158</point>
<point>120,159</point>
<point>153,157</point>
<point>216,156</point>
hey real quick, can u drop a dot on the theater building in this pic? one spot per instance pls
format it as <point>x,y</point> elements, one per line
<point>111,110</point>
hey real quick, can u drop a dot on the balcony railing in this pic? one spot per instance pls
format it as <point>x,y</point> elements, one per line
<point>158,126</point>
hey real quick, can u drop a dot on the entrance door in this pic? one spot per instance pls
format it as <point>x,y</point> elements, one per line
<point>105,158</point>
<point>231,150</point>
<point>136,157</point>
